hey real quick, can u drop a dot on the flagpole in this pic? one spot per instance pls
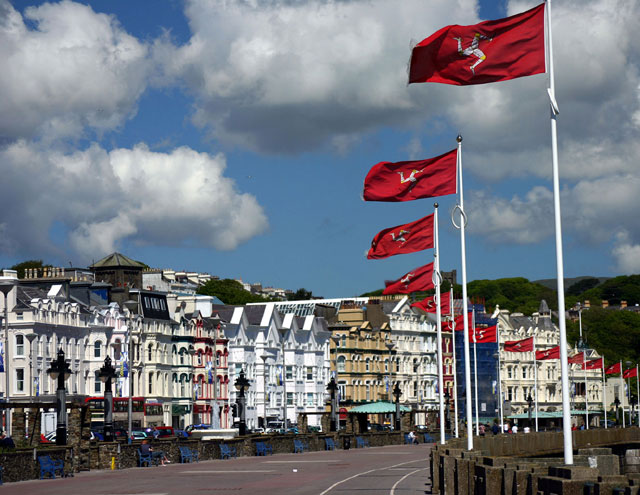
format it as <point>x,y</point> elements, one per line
<point>455,367</point>
<point>535,379</point>
<point>436,275</point>
<point>564,367</point>
<point>604,395</point>
<point>475,370</point>
<point>586,400</point>
<point>624,423</point>
<point>638,392</point>
<point>499,378</point>
<point>465,306</point>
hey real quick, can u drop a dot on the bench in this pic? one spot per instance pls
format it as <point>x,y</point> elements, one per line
<point>263,448</point>
<point>227,451</point>
<point>146,459</point>
<point>299,446</point>
<point>329,444</point>
<point>50,466</point>
<point>361,443</point>
<point>428,438</point>
<point>188,455</point>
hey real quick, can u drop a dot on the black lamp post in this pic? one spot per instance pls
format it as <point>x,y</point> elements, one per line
<point>332,388</point>
<point>60,370</point>
<point>241,384</point>
<point>616,403</point>
<point>530,402</point>
<point>447,419</point>
<point>107,373</point>
<point>396,394</point>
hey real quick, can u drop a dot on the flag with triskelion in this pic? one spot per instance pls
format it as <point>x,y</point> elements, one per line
<point>428,305</point>
<point>524,345</point>
<point>416,280</point>
<point>403,239</point>
<point>553,353</point>
<point>487,52</point>
<point>406,181</point>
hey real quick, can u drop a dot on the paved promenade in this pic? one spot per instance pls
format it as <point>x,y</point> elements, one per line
<point>393,470</point>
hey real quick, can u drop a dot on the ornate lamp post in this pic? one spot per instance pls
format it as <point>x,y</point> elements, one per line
<point>264,358</point>
<point>5,288</point>
<point>397,393</point>
<point>130,305</point>
<point>447,419</point>
<point>390,347</point>
<point>241,384</point>
<point>332,388</point>
<point>60,370</point>
<point>616,403</point>
<point>336,341</point>
<point>107,373</point>
<point>194,387</point>
<point>283,333</point>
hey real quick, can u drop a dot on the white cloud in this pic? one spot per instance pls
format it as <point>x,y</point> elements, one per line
<point>64,67</point>
<point>176,198</point>
<point>626,254</point>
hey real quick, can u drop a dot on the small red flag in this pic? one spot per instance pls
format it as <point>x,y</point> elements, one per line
<point>613,369</point>
<point>428,305</point>
<point>593,364</point>
<point>553,353</point>
<point>487,52</point>
<point>406,181</point>
<point>524,345</point>
<point>459,321</point>
<point>577,359</point>
<point>484,335</point>
<point>416,280</point>
<point>630,373</point>
<point>403,239</point>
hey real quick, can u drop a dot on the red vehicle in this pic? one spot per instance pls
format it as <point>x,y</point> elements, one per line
<point>143,414</point>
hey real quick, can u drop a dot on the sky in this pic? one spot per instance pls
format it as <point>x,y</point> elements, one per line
<point>233,137</point>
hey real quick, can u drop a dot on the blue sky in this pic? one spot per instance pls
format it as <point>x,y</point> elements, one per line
<point>233,138</point>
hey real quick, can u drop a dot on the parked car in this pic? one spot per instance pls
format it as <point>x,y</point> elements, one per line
<point>138,435</point>
<point>164,432</point>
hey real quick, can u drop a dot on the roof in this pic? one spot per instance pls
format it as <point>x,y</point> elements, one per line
<point>379,407</point>
<point>24,295</point>
<point>117,259</point>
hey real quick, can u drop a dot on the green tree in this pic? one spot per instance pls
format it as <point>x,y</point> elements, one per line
<point>21,267</point>
<point>230,292</point>
<point>582,286</point>
<point>301,294</point>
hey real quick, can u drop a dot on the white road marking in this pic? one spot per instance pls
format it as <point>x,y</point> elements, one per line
<point>393,488</point>
<point>228,471</point>
<point>297,462</point>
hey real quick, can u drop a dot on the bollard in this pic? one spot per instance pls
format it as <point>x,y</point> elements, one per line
<point>113,463</point>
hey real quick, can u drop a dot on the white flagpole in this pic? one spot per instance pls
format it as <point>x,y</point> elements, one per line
<point>604,395</point>
<point>437,280</point>
<point>465,306</point>
<point>500,398</point>
<point>586,400</point>
<point>638,391</point>
<point>535,379</point>
<point>455,368</point>
<point>475,371</point>
<point>624,423</point>
<point>564,367</point>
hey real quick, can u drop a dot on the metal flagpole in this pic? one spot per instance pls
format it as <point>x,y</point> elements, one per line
<point>500,398</point>
<point>604,395</point>
<point>437,281</point>
<point>638,392</point>
<point>624,423</point>
<point>465,307</point>
<point>564,367</point>
<point>455,367</point>
<point>475,370</point>
<point>535,379</point>
<point>628,399</point>
<point>586,400</point>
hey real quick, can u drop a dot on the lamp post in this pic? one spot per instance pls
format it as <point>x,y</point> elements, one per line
<point>60,370</point>
<point>31,337</point>
<point>215,415</point>
<point>397,393</point>
<point>283,333</point>
<point>390,347</point>
<point>264,358</point>
<point>496,356</point>
<point>616,403</point>
<point>130,305</point>
<point>5,288</point>
<point>447,418</point>
<point>107,373</point>
<point>193,394</point>
<point>332,388</point>
<point>241,384</point>
<point>529,400</point>
<point>336,341</point>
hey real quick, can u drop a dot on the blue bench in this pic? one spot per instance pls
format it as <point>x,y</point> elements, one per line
<point>361,443</point>
<point>188,455</point>
<point>147,459</point>
<point>263,448</point>
<point>329,444</point>
<point>428,438</point>
<point>49,466</point>
<point>299,446</point>
<point>227,451</point>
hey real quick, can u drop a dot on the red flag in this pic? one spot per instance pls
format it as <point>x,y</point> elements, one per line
<point>415,280</point>
<point>406,181</point>
<point>524,345</point>
<point>402,239</point>
<point>553,353</point>
<point>630,373</point>
<point>577,359</point>
<point>593,364</point>
<point>487,52</point>
<point>428,305</point>
<point>459,321</point>
<point>613,369</point>
<point>484,335</point>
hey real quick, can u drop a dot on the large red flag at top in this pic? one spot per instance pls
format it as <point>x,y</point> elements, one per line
<point>630,373</point>
<point>428,305</point>
<point>416,280</point>
<point>592,364</point>
<point>553,353</point>
<point>484,335</point>
<point>524,345</point>
<point>577,359</point>
<point>406,181</point>
<point>402,239</point>
<point>613,369</point>
<point>487,52</point>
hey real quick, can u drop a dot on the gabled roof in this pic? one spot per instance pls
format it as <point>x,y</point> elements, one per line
<point>116,259</point>
<point>24,295</point>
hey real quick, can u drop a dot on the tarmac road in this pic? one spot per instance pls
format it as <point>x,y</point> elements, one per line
<point>392,470</point>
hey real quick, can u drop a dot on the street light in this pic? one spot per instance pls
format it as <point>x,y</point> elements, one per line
<point>397,393</point>
<point>264,358</point>
<point>107,373</point>
<point>628,365</point>
<point>130,305</point>
<point>241,384</point>
<point>336,341</point>
<point>332,387</point>
<point>496,356</point>
<point>5,288</point>
<point>390,347</point>
<point>529,400</point>
<point>616,403</point>
<point>192,353</point>
<point>60,370</point>
<point>447,398</point>
<point>283,333</point>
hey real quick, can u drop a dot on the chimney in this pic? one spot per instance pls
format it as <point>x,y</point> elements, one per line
<point>623,304</point>
<point>605,303</point>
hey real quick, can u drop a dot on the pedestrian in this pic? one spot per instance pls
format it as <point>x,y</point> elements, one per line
<point>514,429</point>
<point>412,438</point>
<point>481,429</point>
<point>145,448</point>
<point>6,442</point>
<point>495,429</point>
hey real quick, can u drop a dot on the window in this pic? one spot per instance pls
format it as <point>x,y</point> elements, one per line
<point>309,398</point>
<point>19,345</point>
<point>151,383</point>
<point>344,341</point>
<point>117,350</point>
<point>368,392</point>
<point>289,398</point>
<point>510,394</point>
<point>510,372</point>
<point>309,373</point>
<point>97,348</point>
<point>20,380</point>
<point>386,365</point>
<point>150,353</point>
<point>524,372</point>
<point>367,365</point>
<point>341,364</point>
<point>97,384</point>
<point>289,373</point>
<point>342,390</point>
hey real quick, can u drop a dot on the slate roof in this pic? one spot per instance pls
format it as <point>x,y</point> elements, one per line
<point>522,321</point>
<point>116,259</point>
<point>224,312</point>
<point>24,295</point>
<point>254,314</point>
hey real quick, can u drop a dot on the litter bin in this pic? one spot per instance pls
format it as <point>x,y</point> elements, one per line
<point>346,442</point>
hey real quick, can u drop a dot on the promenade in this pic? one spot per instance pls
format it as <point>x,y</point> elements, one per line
<point>393,470</point>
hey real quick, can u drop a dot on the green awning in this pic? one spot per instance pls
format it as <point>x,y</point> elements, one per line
<point>380,407</point>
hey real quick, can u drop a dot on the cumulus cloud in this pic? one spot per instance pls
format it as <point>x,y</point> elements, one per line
<point>626,253</point>
<point>103,197</point>
<point>63,68</point>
